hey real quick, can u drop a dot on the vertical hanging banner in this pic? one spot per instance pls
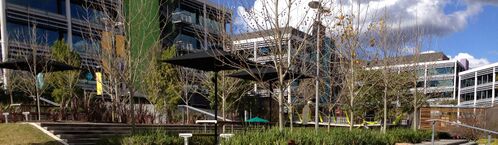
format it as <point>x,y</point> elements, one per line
<point>98,79</point>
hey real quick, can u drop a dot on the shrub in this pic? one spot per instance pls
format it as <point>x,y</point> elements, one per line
<point>302,136</point>
<point>155,138</point>
<point>338,136</point>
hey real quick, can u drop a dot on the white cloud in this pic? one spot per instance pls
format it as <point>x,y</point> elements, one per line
<point>402,15</point>
<point>473,62</point>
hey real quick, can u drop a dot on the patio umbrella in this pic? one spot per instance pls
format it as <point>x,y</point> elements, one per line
<point>266,74</point>
<point>257,120</point>
<point>213,60</point>
<point>36,65</point>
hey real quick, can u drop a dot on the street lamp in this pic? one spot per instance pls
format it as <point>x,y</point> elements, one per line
<point>318,6</point>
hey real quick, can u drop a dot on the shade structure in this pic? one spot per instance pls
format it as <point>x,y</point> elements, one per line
<point>257,120</point>
<point>36,65</point>
<point>266,74</point>
<point>213,60</point>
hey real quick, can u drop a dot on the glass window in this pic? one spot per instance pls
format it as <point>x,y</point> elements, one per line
<point>184,16</point>
<point>441,71</point>
<point>440,83</point>
<point>496,76</point>
<point>467,97</point>
<point>84,44</point>
<point>24,33</point>
<point>54,6</point>
<point>420,84</point>
<point>420,72</point>
<point>468,82</point>
<point>488,78</point>
<point>81,12</point>
<point>264,51</point>
<point>186,42</point>
<point>484,94</point>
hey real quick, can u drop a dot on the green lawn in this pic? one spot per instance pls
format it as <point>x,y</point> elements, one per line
<point>485,141</point>
<point>20,134</point>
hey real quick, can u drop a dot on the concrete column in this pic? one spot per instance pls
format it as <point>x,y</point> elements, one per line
<point>69,40</point>
<point>475,88</point>
<point>459,90</point>
<point>5,37</point>
<point>455,86</point>
<point>494,87</point>
<point>425,79</point>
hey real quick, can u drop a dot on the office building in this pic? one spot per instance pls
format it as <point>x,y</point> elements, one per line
<point>437,74</point>
<point>479,86</point>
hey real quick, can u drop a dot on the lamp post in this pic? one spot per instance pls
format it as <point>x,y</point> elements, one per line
<point>318,6</point>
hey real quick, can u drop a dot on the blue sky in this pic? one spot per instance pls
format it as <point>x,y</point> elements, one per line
<point>479,38</point>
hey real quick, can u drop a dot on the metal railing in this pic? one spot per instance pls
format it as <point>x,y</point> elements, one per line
<point>489,132</point>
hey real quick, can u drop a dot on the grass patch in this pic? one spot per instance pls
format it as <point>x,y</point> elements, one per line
<point>485,141</point>
<point>14,134</point>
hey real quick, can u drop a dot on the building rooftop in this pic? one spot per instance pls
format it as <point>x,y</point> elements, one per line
<point>415,58</point>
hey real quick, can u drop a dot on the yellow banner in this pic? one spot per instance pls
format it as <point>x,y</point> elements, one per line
<point>98,79</point>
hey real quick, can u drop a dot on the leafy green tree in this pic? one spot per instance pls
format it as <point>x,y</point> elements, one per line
<point>64,83</point>
<point>161,85</point>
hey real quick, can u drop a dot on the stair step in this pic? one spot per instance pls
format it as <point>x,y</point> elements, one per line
<point>69,136</point>
<point>90,131</point>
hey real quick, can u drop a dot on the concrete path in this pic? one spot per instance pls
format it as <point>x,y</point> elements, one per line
<point>445,142</point>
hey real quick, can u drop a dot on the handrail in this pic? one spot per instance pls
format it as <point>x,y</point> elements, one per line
<point>460,124</point>
<point>464,125</point>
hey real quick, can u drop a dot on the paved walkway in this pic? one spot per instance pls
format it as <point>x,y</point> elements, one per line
<point>445,142</point>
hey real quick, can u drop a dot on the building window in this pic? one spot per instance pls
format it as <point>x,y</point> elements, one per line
<point>467,97</point>
<point>54,6</point>
<point>440,83</point>
<point>496,76</point>
<point>186,42</point>
<point>264,51</point>
<point>420,84</point>
<point>484,94</point>
<point>85,44</point>
<point>26,34</point>
<point>85,13</point>
<point>184,16</point>
<point>420,72</point>
<point>441,95</point>
<point>441,71</point>
<point>468,82</point>
<point>488,78</point>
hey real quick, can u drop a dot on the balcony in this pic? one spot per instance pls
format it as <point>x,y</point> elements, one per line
<point>182,17</point>
<point>186,46</point>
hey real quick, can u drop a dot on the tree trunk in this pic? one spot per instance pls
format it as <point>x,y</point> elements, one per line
<point>132,109</point>
<point>384,127</point>
<point>415,117</point>
<point>187,113</point>
<point>280,110</point>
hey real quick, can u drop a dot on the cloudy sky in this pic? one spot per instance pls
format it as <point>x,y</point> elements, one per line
<point>459,28</point>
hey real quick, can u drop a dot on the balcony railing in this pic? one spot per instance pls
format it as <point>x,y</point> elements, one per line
<point>182,17</point>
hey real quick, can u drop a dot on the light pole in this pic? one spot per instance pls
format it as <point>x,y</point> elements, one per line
<point>318,6</point>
